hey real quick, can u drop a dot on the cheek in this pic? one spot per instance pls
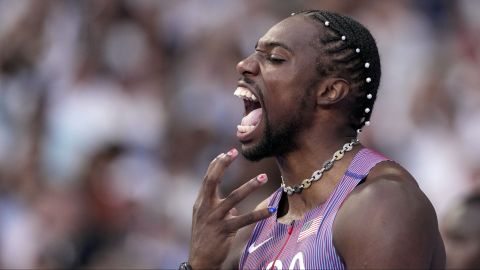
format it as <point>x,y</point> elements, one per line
<point>280,105</point>
<point>285,89</point>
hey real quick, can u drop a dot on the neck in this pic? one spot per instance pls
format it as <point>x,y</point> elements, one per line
<point>308,157</point>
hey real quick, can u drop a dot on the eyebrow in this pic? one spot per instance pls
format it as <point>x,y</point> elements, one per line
<point>273,44</point>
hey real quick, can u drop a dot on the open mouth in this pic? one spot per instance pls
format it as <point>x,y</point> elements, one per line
<point>253,112</point>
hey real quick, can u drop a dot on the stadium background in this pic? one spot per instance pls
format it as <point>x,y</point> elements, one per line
<point>110,112</point>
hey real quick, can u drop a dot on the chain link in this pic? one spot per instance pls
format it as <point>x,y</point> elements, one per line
<point>317,175</point>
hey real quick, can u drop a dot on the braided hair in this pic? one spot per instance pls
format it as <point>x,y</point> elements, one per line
<point>348,50</point>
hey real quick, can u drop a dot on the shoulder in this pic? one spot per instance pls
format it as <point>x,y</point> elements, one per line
<point>387,221</point>
<point>388,184</point>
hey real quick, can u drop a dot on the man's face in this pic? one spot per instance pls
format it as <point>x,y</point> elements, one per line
<point>277,85</point>
<point>461,235</point>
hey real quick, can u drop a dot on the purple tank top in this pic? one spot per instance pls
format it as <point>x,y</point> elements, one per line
<point>306,243</point>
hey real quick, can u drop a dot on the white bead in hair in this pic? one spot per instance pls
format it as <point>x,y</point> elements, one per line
<point>368,79</point>
<point>357,50</point>
<point>369,96</point>
<point>344,37</point>
<point>367,123</point>
<point>327,23</point>
<point>293,13</point>
<point>367,110</point>
<point>359,130</point>
<point>367,65</point>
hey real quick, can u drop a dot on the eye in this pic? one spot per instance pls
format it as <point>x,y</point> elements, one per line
<point>271,57</point>
<point>274,59</point>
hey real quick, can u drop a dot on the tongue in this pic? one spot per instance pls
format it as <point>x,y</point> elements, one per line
<point>252,118</point>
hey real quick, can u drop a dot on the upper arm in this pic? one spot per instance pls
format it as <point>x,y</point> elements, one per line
<point>386,223</point>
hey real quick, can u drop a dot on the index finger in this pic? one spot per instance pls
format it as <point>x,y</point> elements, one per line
<point>216,170</point>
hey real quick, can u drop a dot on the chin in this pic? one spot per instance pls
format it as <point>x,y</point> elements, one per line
<point>256,152</point>
<point>266,147</point>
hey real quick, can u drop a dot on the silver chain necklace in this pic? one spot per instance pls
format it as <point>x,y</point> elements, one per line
<point>319,173</point>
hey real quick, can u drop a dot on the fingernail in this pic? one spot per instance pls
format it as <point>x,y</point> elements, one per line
<point>233,152</point>
<point>272,209</point>
<point>262,178</point>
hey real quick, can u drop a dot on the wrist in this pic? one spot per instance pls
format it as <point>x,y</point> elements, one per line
<point>198,265</point>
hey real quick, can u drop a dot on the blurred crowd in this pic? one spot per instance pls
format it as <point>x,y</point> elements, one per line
<point>111,110</point>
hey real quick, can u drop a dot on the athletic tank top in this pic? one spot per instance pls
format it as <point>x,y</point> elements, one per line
<point>306,243</point>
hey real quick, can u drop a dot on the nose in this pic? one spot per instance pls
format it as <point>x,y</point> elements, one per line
<point>248,66</point>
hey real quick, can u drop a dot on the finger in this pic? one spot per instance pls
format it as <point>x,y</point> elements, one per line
<point>240,193</point>
<point>215,172</point>
<point>207,183</point>
<point>232,213</point>
<point>235,223</point>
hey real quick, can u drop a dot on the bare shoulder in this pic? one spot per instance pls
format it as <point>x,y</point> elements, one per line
<point>388,222</point>
<point>241,239</point>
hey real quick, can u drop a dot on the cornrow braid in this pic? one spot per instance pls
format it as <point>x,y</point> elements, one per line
<point>351,53</point>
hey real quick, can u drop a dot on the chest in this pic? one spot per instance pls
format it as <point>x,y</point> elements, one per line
<point>305,244</point>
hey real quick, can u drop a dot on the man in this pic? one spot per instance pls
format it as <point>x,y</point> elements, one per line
<point>308,89</point>
<point>461,231</point>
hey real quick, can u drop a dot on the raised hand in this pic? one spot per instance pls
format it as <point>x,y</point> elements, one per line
<point>215,221</point>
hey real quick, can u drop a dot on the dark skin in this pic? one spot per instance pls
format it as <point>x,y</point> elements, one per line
<point>398,227</point>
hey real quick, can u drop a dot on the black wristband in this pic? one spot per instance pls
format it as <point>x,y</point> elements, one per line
<point>185,266</point>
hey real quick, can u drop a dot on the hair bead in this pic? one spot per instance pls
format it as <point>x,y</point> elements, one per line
<point>368,80</point>
<point>367,110</point>
<point>357,50</point>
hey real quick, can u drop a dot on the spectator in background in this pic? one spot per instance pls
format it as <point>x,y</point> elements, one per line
<point>461,233</point>
<point>76,75</point>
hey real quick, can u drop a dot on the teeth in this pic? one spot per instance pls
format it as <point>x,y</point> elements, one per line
<point>245,129</point>
<point>244,93</point>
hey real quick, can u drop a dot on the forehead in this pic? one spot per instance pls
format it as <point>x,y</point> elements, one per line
<point>296,32</point>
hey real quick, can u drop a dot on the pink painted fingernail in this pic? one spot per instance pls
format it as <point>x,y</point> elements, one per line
<point>233,152</point>
<point>262,178</point>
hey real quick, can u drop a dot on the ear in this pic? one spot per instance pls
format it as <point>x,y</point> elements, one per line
<point>332,90</point>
